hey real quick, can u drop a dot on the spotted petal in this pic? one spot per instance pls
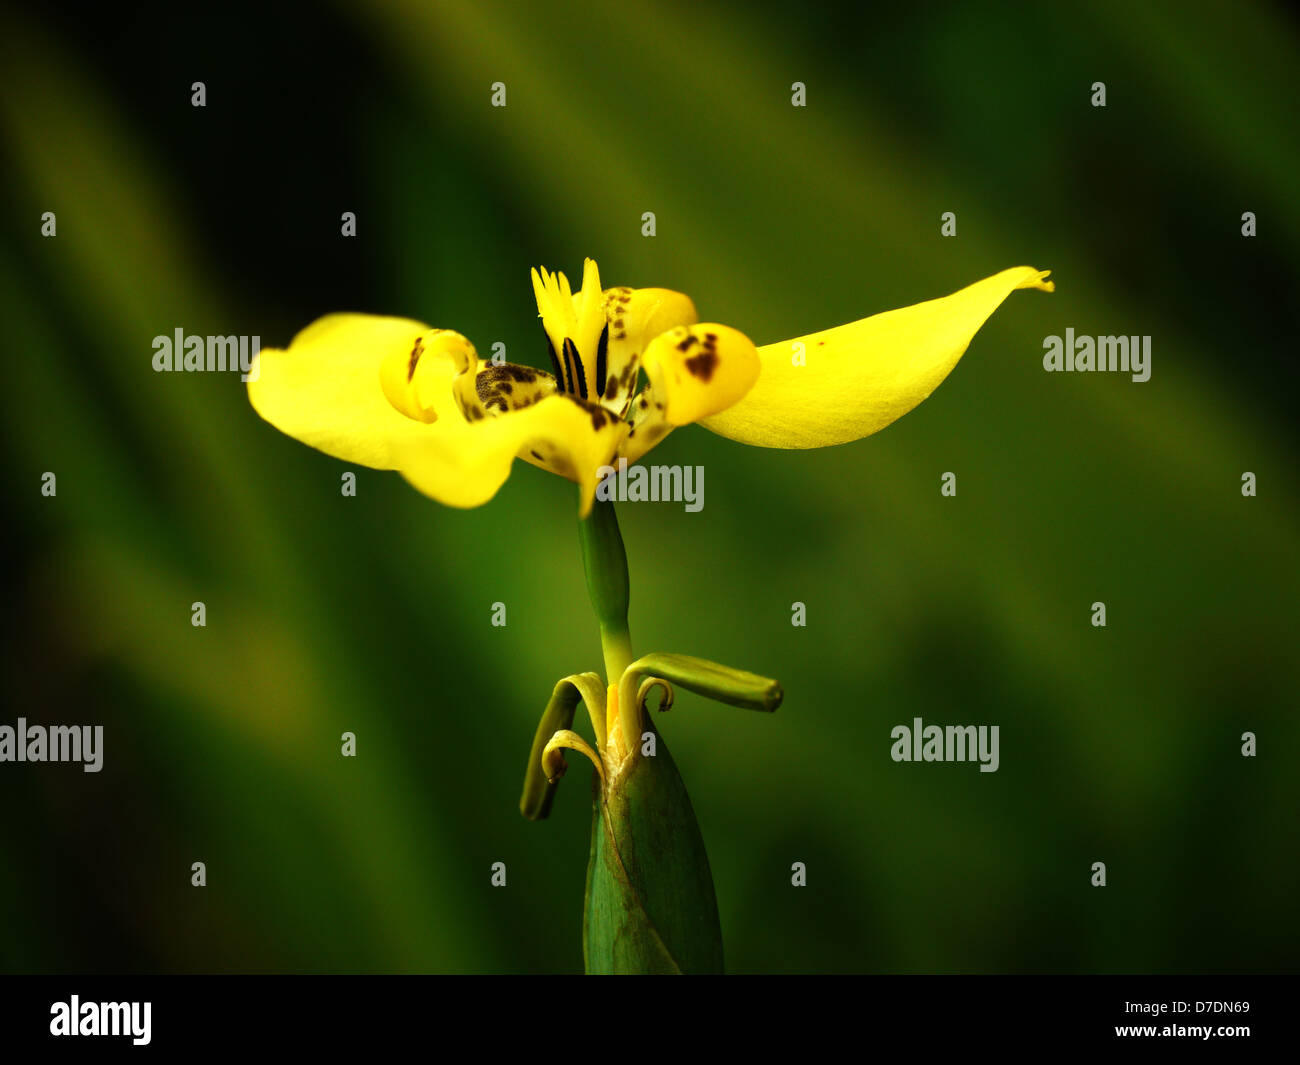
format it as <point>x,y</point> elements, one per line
<point>464,464</point>
<point>392,393</point>
<point>497,388</point>
<point>633,318</point>
<point>330,388</point>
<point>694,372</point>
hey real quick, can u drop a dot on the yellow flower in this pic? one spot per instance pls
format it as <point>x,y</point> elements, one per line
<point>628,366</point>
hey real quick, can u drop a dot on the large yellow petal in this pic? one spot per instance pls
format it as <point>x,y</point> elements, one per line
<point>383,392</point>
<point>845,383</point>
<point>463,464</point>
<point>325,389</point>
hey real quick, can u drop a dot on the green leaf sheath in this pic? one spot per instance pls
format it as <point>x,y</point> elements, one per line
<point>650,903</point>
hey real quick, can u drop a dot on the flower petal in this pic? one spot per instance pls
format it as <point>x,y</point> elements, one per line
<point>633,318</point>
<point>418,384</point>
<point>501,387</point>
<point>855,379</point>
<point>464,464</point>
<point>325,389</point>
<point>694,371</point>
<point>574,323</point>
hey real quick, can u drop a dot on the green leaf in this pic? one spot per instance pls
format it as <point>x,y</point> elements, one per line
<point>735,687</point>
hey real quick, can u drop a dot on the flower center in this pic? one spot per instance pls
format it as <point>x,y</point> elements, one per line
<point>577,331</point>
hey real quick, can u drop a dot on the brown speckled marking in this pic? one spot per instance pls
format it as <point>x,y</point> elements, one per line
<point>599,415</point>
<point>537,455</point>
<point>416,352</point>
<point>494,383</point>
<point>703,365</point>
<point>688,342</point>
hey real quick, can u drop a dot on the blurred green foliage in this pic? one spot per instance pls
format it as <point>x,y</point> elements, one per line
<point>371,614</point>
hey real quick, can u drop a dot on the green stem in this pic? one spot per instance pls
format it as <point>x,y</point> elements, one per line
<point>605,561</point>
<point>650,905</point>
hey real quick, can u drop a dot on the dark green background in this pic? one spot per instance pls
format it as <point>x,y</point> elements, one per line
<point>372,614</point>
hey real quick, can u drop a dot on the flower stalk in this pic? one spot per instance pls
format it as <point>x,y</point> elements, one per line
<point>650,904</point>
<point>604,560</point>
